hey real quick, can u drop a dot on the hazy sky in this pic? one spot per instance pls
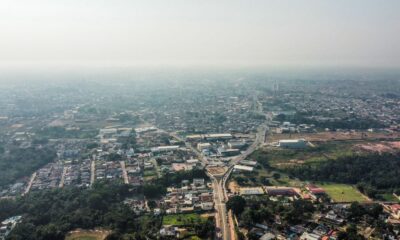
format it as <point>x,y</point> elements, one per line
<point>203,32</point>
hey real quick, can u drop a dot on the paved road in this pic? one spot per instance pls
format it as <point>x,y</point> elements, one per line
<point>219,183</point>
<point>220,206</point>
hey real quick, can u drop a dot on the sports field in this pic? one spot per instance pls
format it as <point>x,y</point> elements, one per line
<point>343,192</point>
<point>182,219</point>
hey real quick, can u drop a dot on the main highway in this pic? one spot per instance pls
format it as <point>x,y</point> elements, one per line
<point>224,224</point>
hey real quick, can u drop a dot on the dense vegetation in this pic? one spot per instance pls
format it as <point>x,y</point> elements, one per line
<point>371,215</point>
<point>51,214</point>
<point>262,210</point>
<point>343,123</point>
<point>373,173</point>
<point>159,186</point>
<point>20,162</point>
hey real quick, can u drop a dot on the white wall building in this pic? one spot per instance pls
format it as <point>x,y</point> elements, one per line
<point>293,143</point>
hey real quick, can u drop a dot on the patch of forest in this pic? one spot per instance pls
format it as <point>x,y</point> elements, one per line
<point>373,173</point>
<point>22,162</point>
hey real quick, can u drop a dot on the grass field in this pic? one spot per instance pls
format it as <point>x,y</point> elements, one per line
<point>87,235</point>
<point>342,192</point>
<point>283,158</point>
<point>182,219</point>
<point>389,197</point>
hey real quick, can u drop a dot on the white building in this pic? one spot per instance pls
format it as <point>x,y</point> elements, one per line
<point>202,146</point>
<point>243,168</point>
<point>293,143</point>
<point>165,148</point>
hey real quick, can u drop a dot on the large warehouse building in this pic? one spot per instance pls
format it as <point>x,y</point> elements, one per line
<point>293,143</point>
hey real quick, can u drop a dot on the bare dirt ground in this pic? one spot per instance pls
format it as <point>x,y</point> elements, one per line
<point>335,136</point>
<point>216,170</point>
<point>233,187</point>
<point>381,147</point>
<point>87,234</point>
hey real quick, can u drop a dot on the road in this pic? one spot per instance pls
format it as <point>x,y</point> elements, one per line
<point>124,173</point>
<point>92,170</point>
<point>220,207</point>
<point>63,177</point>
<point>28,188</point>
<point>219,182</point>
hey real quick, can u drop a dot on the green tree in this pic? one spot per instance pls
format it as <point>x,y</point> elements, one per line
<point>236,204</point>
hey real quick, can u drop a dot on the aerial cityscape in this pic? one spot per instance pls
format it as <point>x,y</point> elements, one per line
<point>215,120</point>
<point>287,160</point>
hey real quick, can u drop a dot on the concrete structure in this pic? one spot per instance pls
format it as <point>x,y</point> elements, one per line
<point>251,191</point>
<point>295,143</point>
<point>202,146</point>
<point>228,152</point>
<point>243,168</point>
<point>248,163</point>
<point>280,191</point>
<point>165,148</point>
<point>237,144</point>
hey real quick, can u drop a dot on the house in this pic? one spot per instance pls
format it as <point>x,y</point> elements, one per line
<point>332,218</point>
<point>198,181</point>
<point>395,210</point>
<point>202,146</point>
<point>315,192</point>
<point>268,236</point>
<point>310,236</point>
<point>8,225</point>
<point>168,231</point>
<point>207,206</point>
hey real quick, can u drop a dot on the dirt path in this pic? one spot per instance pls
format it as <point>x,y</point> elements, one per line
<point>63,177</point>
<point>124,173</point>
<point>92,171</point>
<point>28,188</point>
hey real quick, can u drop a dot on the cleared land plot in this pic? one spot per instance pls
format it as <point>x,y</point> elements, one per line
<point>282,158</point>
<point>87,235</point>
<point>343,193</point>
<point>335,136</point>
<point>182,219</point>
<point>216,170</point>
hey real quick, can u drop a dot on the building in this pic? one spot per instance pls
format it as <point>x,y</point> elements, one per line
<point>202,146</point>
<point>251,191</point>
<point>165,148</point>
<point>207,206</point>
<point>218,136</point>
<point>243,168</point>
<point>8,225</point>
<point>293,143</point>
<point>248,163</point>
<point>395,210</point>
<point>237,144</point>
<point>280,191</point>
<point>310,236</point>
<point>228,152</point>
<point>315,192</point>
